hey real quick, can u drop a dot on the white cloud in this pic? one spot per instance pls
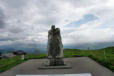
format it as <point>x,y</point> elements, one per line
<point>30,20</point>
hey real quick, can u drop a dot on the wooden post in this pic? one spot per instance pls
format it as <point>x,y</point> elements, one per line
<point>104,54</point>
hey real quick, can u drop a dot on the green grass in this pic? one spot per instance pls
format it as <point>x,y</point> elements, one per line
<point>103,56</point>
<point>35,56</point>
<point>6,64</point>
<point>106,60</point>
<point>74,53</point>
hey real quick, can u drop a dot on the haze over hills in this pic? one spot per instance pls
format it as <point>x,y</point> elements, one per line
<point>29,48</point>
<point>91,45</point>
<point>41,48</point>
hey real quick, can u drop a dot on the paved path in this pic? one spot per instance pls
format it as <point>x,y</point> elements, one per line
<point>79,65</point>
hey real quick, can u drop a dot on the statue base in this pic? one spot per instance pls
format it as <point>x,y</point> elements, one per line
<point>55,63</point>
<point>55,67</point>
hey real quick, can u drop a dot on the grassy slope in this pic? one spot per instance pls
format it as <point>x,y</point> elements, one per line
<point>10,62</point>
<point>97,55</point>
<point>103,56</point>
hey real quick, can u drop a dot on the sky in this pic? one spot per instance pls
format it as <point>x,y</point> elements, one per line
<point>80,21</point>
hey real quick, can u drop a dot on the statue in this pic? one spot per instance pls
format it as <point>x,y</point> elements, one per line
<point>55,47</point>
<point>55,51</point>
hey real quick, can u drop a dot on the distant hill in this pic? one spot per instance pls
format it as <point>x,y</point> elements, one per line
<point>41,48</point>
<point>85,46</point>
<point>111,48</point>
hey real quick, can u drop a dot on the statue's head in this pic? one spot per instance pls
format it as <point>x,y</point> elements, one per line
<point>53,27</point>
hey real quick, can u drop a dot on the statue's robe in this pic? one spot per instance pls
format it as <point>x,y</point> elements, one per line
<point>55,47</point>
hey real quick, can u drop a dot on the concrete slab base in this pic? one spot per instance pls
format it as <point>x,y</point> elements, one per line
<point>66,66</point>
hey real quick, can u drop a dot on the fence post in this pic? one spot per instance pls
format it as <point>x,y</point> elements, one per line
<point>104,54</point>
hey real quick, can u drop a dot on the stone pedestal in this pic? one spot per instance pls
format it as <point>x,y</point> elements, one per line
<point>58,65</point>
<point>56,62</point>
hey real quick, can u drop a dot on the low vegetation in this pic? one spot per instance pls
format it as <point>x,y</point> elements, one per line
<point>6,64</point>
<point>35,56</point>
<point>103,56</point>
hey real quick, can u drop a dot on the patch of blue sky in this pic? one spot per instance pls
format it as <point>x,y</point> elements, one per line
<point>107,24</point>
<point>87,18</point>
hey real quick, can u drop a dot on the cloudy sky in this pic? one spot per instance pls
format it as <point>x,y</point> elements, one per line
<point>80,21</point>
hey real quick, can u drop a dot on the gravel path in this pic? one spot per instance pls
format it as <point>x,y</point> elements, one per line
<point>79,65</point>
